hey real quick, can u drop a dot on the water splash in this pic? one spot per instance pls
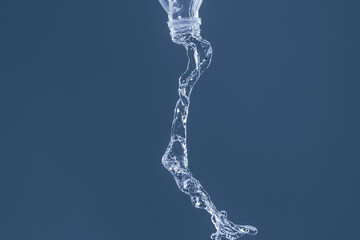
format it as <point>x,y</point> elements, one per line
<point>175,159</point>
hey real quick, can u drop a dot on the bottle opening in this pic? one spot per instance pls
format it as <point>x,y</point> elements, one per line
<point>184,26</point>
<point>184,21</point>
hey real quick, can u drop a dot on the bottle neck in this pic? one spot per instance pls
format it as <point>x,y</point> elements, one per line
<point>182,27</point>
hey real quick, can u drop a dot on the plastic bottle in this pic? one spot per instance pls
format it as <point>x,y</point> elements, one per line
<point>183,17</point>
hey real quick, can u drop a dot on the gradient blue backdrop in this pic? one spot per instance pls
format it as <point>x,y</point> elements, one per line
<point>87,91</point>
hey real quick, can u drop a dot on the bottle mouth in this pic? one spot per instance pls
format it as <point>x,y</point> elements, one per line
<point>181,27</point>
<point>183,22</point>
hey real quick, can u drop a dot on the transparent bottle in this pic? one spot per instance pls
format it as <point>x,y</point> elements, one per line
<point>183,17</point>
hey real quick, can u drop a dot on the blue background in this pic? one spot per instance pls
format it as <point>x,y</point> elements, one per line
<point>87,91</point>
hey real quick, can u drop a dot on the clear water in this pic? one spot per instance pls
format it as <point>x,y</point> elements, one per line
<point>175,159</point>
